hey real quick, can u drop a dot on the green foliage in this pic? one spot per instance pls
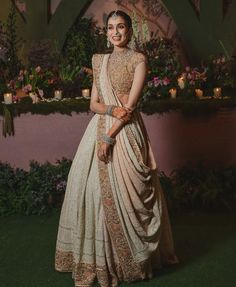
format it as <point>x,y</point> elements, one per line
<point>163,67</point>
<point>188,108</point>
<point>42,188</point>
<point>34,192</point>
<point>10,42</point>
<point>201,187</point>
<point>7,121</point>
<point>83,40</point>
<point>43,53</point>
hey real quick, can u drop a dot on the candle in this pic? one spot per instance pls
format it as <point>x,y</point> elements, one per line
<point>86,93</point>
<point>181,82</point>
<point>58,94</point>
<point>34,97</point>
<point>173,93</point>
<point>199,93</point>
<point>217,92</point>
<point>8,98</point>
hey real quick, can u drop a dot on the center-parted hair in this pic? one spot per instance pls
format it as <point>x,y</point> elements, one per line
<point>121,14</point>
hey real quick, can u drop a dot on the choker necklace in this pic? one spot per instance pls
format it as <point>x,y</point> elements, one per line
<point>120,52</point>
<point>120,57</point>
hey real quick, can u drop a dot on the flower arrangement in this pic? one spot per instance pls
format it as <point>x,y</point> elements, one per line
<point>34,80</point>
<point>219,72</point>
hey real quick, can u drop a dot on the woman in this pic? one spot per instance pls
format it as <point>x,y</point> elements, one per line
<point>114,223</point>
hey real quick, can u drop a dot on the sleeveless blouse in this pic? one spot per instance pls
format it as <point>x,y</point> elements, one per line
<point>121,69</point>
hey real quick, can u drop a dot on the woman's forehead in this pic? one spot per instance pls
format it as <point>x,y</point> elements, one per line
<point>116,20</point>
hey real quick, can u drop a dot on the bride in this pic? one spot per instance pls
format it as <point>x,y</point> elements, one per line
<point>114,223</point>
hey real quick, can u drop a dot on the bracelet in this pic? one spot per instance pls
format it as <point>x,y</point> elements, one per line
<point>109,110</point>
<point>108,140</point>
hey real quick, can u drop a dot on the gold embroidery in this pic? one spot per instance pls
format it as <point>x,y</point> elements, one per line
<point>131,270</point>
<point>121,68</point>
<point>96,62</point>
<point>84,274</point>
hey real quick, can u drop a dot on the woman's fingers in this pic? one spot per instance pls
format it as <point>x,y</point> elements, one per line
<point>121,113</point>
<point>103,153</point>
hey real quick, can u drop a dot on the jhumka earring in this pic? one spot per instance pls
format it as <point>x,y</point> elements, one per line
<point>108,43</point>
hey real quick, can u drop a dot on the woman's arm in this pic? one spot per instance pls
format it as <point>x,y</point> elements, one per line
<point>100,108</point>
<point>135,92</point>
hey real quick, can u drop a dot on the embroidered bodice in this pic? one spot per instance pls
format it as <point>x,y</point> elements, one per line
<point>121,68</point>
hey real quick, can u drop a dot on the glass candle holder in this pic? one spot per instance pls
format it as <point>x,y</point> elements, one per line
<point>173,93</point>
<point>217,92</point>
<point>86,93</point>
<point>199,93</point>
<point>58,94</point>
<point>7,98</point>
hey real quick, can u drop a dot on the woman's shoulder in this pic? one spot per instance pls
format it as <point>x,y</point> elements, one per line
<point>137,58</point>
<point>97,58</point>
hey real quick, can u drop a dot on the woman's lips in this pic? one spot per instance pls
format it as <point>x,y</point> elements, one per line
<point>116,38</point>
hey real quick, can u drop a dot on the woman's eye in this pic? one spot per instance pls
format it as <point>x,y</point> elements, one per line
<point>110,27</point>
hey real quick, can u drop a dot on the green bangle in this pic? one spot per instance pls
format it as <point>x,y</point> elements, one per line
<point>109,110</point>
<point>108,140</point>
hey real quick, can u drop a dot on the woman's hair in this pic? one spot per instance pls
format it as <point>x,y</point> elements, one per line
<point>121,14</point>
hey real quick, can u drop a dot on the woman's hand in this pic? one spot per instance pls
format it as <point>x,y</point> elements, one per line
<point>122,114</point>
<point>103,152</point>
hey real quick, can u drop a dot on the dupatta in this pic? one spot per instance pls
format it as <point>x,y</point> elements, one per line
<point>130,197</point>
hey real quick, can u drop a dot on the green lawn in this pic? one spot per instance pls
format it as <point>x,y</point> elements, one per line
<point>205,244</point>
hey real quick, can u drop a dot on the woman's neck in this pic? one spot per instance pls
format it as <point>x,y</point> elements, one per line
<point>120,49</point>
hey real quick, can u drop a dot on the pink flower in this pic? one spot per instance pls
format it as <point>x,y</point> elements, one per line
<point>20,78</point>
<point>38,69</point>
<point>27,88</point>
<point>166,81</point>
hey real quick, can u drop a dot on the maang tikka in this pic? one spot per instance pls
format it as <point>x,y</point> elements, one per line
<point>114,15</point>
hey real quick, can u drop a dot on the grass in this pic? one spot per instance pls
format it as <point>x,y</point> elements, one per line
<point>205,244</point>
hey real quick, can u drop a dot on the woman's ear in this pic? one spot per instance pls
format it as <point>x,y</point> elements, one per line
<point>130,33</point>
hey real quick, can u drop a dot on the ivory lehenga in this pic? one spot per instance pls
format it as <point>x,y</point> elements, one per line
<point>114,224</point>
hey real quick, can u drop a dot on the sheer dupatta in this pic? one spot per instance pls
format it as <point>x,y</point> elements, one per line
<point>131,194</point>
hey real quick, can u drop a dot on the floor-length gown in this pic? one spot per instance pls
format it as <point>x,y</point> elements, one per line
<point>114,224</point>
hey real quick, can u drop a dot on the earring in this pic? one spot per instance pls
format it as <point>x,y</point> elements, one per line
<point>132,43</point>
<point>108,43</point>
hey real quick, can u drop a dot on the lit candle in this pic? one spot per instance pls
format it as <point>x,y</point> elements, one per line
<point>181,82</point>
<point>8,98</point>
<point>34,97</point>
<point>217,92</point>
<point>58,94</point>
<point>86,93</point>
<point>199,93</point>
<point>173,93</point>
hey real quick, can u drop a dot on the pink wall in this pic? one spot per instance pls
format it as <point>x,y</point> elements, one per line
<point>175,139</point>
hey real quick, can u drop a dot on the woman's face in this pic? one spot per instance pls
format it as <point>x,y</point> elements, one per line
<point>118,32</point>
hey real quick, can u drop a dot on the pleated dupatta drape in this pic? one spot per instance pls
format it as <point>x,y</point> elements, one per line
<point>114,216</point>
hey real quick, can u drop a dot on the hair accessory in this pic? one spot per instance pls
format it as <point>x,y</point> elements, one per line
<point>108,140</point>
<point>114,15</point>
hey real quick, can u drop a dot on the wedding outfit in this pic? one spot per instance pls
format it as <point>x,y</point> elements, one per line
<point>114,224</point>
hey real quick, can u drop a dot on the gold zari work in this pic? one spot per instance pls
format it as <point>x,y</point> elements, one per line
<point>114,224</point>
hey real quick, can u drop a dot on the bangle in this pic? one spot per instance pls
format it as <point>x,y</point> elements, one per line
<point>109,110</point>
<point>108,140</point>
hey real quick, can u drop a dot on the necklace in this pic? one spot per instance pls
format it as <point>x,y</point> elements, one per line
<point>120,57</point>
